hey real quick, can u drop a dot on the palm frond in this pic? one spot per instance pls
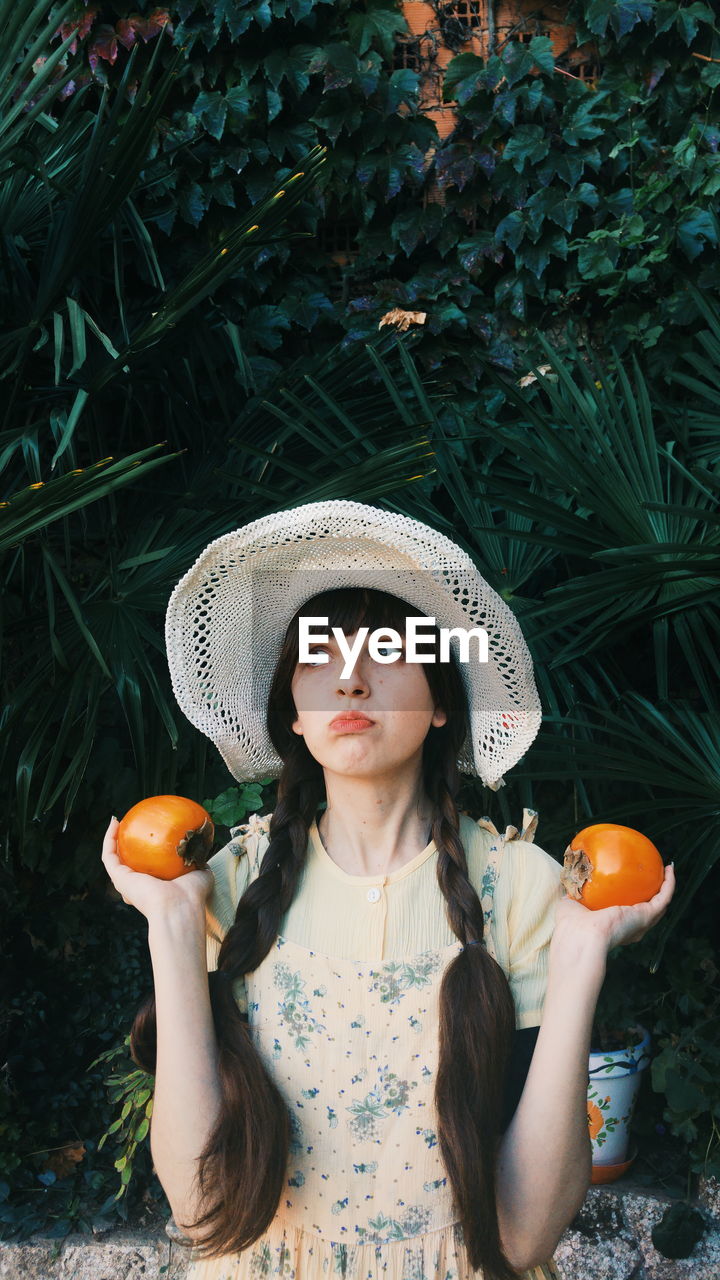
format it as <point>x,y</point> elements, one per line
<point>33,509</point>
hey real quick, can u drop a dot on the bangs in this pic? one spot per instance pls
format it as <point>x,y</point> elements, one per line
<point>350,608</point>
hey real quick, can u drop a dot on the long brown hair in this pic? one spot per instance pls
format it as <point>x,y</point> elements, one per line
<point>242,1170</point>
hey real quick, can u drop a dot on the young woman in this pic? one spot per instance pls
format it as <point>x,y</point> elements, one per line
<point>385,1074</point>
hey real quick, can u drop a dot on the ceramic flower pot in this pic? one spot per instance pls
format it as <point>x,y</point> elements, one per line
<point>614,1081</point>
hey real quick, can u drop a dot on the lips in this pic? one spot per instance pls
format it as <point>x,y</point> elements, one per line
<point>351,720</point>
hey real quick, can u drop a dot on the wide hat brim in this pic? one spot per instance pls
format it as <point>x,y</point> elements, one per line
<point>228,615</point>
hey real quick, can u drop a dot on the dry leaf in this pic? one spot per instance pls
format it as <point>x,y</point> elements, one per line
<point>403,319</point>
<point>63,1161</point>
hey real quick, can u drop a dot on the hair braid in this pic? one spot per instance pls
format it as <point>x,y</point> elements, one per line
<point>477,1020</point>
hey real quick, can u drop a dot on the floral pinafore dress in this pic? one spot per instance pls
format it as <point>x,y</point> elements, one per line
<point>353,1048</point>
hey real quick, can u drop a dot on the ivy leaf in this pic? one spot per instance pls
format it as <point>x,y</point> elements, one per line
<point>339,64</point>
<point>463,78</point>
<point>505,106</point>
<point>274,103</point>
<point>482,245</point>
<point>687,20</point>
<point>299,9</point>
<point>263,14</point>
<point>622,15</point>
<point>291,65</point>
<point>569,168</point>
<point>265,325</point>
<point>404,86</point>
<point>697,229</point>
<point>628,13</point>
<point>543,54</point>
<point>369,71</point>
<point>510,291</point>
<point>529,143</point>
<point>394,178</point>
<point>407,230</point>
<point>711,75</point>
<point>517,61</point>
<point>665,14</point>
<point>537,256</point>
<point>298,139</point>
<point>377,24</point>
<point>583,125</point>
<point>237,101</point>
<point>237,20</point>
<point>211,110</point>
<point>306,310</point>
<point>223,193</point>
<point>597,258</point>
<point>455,166</point>
<point>192,203</point>
<point>511,229</point>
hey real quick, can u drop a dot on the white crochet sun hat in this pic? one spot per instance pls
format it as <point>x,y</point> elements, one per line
<point>227,618</point>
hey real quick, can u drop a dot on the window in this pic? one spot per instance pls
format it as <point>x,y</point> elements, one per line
<point>468,12</point>
<point>338,238</point>
<point>407,56</point>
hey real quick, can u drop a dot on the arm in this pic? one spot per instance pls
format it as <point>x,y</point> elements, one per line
<point>187,1088</point>
<point>544,1161</point>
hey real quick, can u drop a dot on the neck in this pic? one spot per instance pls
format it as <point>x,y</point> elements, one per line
<point>374,829</point>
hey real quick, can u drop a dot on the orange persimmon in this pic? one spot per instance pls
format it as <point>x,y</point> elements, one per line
<point>165,836</point>
<point>608,865</point>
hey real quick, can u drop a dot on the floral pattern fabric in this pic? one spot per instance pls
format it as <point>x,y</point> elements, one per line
<point>353,1048</point>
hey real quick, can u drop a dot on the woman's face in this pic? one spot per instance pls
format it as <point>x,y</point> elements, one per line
<point>395,696</point>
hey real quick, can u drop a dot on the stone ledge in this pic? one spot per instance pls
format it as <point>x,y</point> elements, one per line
<point>609,1239</point>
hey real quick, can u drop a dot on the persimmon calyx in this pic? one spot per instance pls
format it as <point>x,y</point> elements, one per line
<point>577,870</point>
<point>195,845</point>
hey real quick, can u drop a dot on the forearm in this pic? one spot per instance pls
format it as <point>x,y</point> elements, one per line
<point>544,1162</point>
<point>187,1090</point>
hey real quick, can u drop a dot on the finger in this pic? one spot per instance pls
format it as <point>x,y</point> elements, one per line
<point>666,890</point>
<point>110,838</point>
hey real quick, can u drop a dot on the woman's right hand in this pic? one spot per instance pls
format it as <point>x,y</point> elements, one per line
<point>151,896</point>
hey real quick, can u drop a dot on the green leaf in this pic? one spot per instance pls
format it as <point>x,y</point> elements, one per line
<point>698,228</point>
<point>543,53</point>
<point>377,25</point>
<point>528,143</point>
<point>211,110</point>
<point>463,78</point>
<point>403,87</point>
<point>682,1094</point>
<point>597,258</point>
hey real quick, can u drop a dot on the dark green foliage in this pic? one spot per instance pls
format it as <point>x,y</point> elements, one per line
<point>55,1022</point>
<point>562,201</point>
<point>588,497</point>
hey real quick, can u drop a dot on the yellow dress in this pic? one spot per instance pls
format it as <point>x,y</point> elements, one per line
<point>347,1028</point>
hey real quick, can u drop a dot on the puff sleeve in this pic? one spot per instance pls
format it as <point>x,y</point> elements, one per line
<point>526,898</point>
<point>230,876</point>
<point>233,866</point>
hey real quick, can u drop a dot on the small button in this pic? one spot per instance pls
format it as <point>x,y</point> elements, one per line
<point>373,895</point>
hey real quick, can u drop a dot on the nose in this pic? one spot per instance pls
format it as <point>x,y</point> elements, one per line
<point>356,683</point>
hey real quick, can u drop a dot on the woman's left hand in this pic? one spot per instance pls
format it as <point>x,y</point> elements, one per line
<point>614,926</point>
